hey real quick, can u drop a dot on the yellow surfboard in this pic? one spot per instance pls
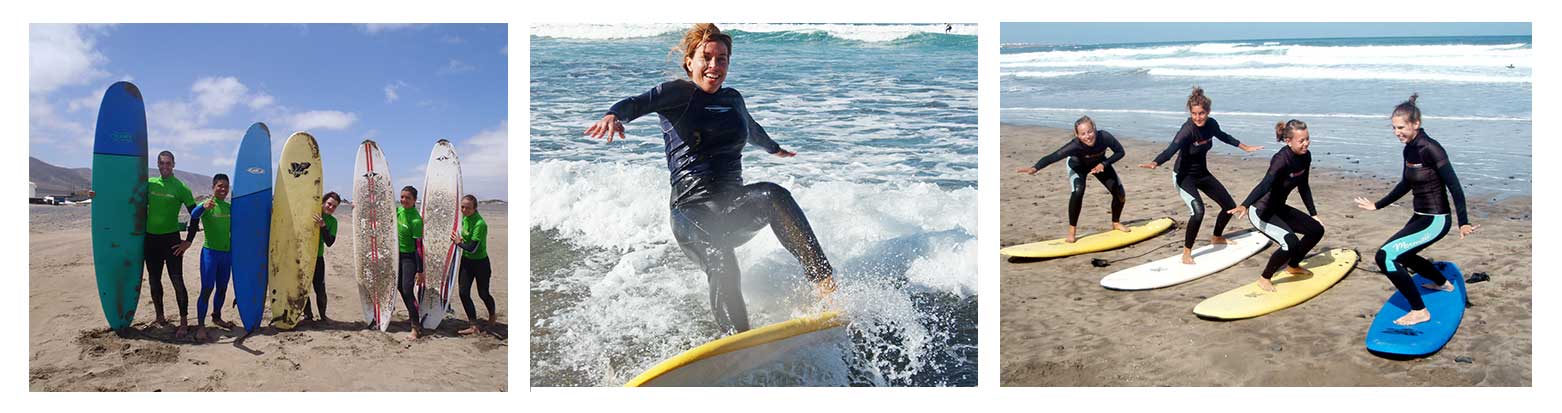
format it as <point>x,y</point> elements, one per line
<point>294,235</point>
<point>1100,241</point>
<point>1249,301</point>
<point>680,370</point>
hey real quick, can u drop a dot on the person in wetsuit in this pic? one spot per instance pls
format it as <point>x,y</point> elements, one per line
<point>1191,175</point>
<point>1288,170</point>
<point>216,255</point>
<point>1086,156</point>
<point>1429,177</point>
<point>705,127</point>
<point>409,261</point>
<point>472,238</point>
<point>327,222</point>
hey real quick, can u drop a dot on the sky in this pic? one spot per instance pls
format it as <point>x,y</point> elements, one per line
<point>1111,33</point>
<point>405,86</point>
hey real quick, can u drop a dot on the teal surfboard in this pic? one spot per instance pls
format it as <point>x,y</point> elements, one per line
<point>119,205</point>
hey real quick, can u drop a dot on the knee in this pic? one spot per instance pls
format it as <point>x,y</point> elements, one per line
<point>1382,260</point>
<point>771,190</point>
<point>1196,210</point>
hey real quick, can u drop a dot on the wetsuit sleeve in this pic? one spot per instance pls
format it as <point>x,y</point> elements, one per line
<point>1114,145</point>
<point>1223,136</point>
<point>663,96</point>
<point>419,255</point>
<point>1276,167</point>
<point>327,236</point>
<point>1445,170</point>
<point>479,234</point>
<point>1399,191</point>
<point>756,134</point>
<point>1183,137</point>
<point>1306,189</point>
<point>195,222</point>
<point>1065,151</point>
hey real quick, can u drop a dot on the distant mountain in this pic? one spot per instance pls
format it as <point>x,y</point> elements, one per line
<point>55,180</point>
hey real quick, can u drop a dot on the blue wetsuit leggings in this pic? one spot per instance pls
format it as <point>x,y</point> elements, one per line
<point>216,268</point>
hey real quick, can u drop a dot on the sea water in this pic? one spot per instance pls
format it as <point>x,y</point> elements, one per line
<point>883,120</point>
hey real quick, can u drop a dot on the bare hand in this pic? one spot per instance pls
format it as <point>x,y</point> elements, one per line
<point>1237,212</point>
<point>1149,165</point>
<point>1467,229</point>
<point>1249,148</point>
<point>455,236</point>
<point>210,203</point>
<point>608,126</point>
<point>179,249</point>
<point>1098,169</point>
<point>1363,203</point>
<point>785,153</point>
<point>420,278</point>
<point>319,222</point>
<point>1027,170</point>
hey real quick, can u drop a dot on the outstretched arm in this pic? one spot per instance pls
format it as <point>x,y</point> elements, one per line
<point>756,134</point>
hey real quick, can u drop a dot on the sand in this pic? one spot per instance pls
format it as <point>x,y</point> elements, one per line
<point>71,349</point>
<point>1059,327</point>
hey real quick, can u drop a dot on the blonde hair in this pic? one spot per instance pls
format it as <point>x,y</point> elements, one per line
<point>1284,130</point>
<point>696,37</point>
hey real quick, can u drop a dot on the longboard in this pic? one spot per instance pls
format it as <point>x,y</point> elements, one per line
<point>252,186</point>
<point>705,364</point>
<point>119,203</point>
<point>1447,308</point>
<point>1171,271</point>
<point>294,234</point>
<point>1096,242</point>
<point>1248,301</point>
<point>374,234</point>
<point>441,211</point>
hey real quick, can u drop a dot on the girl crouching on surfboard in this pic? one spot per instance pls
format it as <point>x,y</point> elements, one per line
<point>216,255</point>
<point>409,261</point>
<point>1086,155</point>
<point>705,127</point>
<point>1429,177</point>
<point>1190,174</point>
<point>1288,170</point>
<point>327,222</point>
<point>472,238</point>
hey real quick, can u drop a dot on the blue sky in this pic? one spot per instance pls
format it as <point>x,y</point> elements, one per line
<point>404,86</point>
<point>1110,33</point>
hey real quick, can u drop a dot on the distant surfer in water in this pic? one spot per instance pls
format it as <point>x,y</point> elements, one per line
<point>705,128</point>
<point>216,255</point>
<point>409,262</point>
<point>1190,174</point>
<point>1288,170</point>
<point>1429,177</point>
<point>472,238</point>
<point>327,223</point>
<point>1086,155</point>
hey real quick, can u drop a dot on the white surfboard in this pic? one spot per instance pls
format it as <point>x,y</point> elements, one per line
<point>1171,271</point>
<point>374,235</point>
<point>441,211</point>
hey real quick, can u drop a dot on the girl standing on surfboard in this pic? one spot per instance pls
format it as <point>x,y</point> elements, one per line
<point>1086,155</point>
<point>1288,170</point>
<point>327,222</point>
<point>1192,144</point>
<point>409,262</point>
<point>472,238</point>
<point>705,127</point>
<point>1429,176</point>
<point>216,255</point>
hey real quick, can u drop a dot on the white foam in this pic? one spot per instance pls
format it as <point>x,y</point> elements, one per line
<point>1264,114</point>
<point>1044,74</point>
<point>859,32</point>
<point>1338,74</point>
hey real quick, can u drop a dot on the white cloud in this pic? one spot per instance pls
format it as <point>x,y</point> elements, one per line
<point>261,100</point>
<point>456,66</point>
<point>322,119</point>
<point>215,96</point>
<point>91,101</point>
<point>485,162</point>
<point>385,27</point>
<point>62,55</point>
<point>45,125</point>
<point>391,95</point>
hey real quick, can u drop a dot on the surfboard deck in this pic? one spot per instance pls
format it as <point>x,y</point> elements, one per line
<point>1169,271</point>
<point>1447,308</point>
<point>1100,241</point>
<point>675,371</point>
<point>252,193</point>
<point>294,235</point>
<point>441,211</point>
<point>119,173</point>
<point>374,234</point>
<point>1249,301</point>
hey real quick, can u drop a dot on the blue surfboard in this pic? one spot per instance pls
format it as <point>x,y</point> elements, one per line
<point>251,223</point>
<point>1393,340</point>
<point>119,205</point>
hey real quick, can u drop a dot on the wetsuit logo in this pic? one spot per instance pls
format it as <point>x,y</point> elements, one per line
<point>1413,165</point>
<point>299,168</point>
<point>718,108</point>
<point>255,170</point>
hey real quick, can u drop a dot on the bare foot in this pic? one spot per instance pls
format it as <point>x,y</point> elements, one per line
<point>470,330</point>
<point>414,335</point>
<point>1414,317</point>
<point>1187,256</point>
<point>1447,286</point>
<point>1120,227</point>
<point>1298,271</point>
<point>1070,238</point>
<point>200,334</point>
<point>1218,240</point>
<point>222,323</point>
<point>160,322</point>
<point>1266,285</point>
<point>180,332</point>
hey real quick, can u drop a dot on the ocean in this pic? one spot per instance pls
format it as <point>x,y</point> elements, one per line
<point>1472,101</point>
<point>884,121</point>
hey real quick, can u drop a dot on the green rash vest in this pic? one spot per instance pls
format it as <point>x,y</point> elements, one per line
<point>475,229</point>
<point>409,226</point>
<point>164,196</point>
<point>330,228</point>
<point>216,222</point>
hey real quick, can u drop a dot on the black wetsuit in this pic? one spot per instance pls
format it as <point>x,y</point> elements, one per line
<point>1191,175</point>
<point>327,238</point>
<point>1281,222</point>
<point>713,212</point>
<point>1081,159</point>
<point>1430,178</point>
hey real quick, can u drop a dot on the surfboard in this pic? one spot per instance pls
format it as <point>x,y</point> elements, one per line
<point>294,234</point>
<point>119,202</point>
<point>1100,241</point>
<point>441,211</point>
<point>1171,271</point>
<point>1447,308</point>
<point>706,364</point>
<point>252,185</point>
<point>1249,301</point>
<point>374,234</point>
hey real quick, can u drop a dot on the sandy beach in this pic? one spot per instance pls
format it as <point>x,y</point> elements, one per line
<point>1059,327</point>
<point>71,349</point>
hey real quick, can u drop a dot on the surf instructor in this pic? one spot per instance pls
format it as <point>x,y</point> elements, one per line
<point>705,127</point>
